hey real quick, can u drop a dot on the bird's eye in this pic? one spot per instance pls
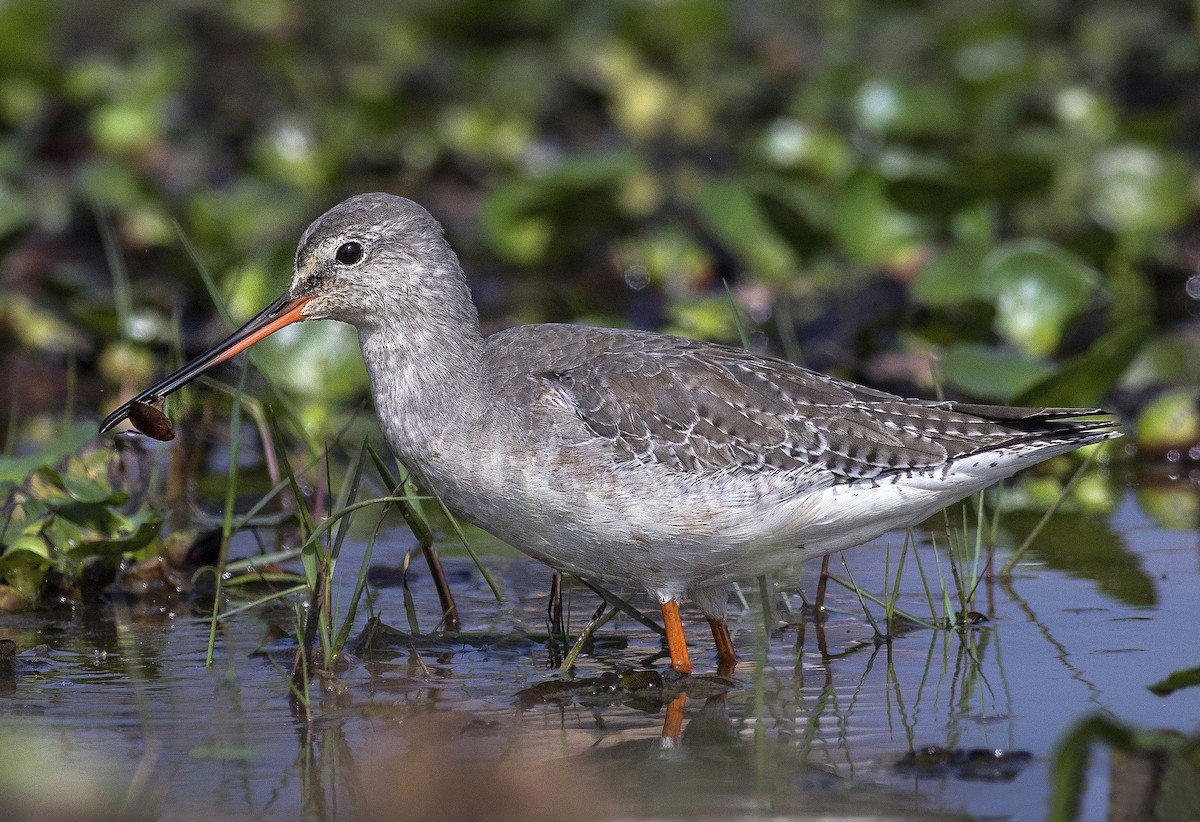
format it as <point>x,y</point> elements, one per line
<point>350,253</point>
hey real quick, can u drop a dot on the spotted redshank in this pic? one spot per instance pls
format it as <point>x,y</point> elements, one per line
<point>644,460</point>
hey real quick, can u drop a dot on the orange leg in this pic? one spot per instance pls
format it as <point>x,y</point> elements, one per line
<point>726,657</point>
<point>676,642</point>
<point>673,722</point>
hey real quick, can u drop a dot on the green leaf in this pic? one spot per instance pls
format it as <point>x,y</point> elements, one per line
<point>1185,678</point>
<point>147,529</point>
<point>899,108</point>
<point>84,489</point>
<point>27,544</point>
<point>1170,421</point>
<point>14,470</point>
<point>62,534</point>
<point>793,144</point>
<point>28,513</point>
<point>523,217</point>
<point>24,563</point>
<point>951,277</point>
<point>315,361</point>
<point>1084,380</point>
<point>99,518</point>
<point>1170,505</point>
<point>1070,761</point>
<point>732,211</point>
<point>1139,188</point>
<point>868,225</point>
<point>935,195</point>
<point>14,210</point>
<point>991,373</point>
<point>798,213</point>
<point>514,229</point>
<point>1037,288</point>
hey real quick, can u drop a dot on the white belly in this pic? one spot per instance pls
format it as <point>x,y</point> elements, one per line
<point>647,527</point>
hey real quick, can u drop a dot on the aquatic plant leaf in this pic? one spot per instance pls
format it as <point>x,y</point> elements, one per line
<point>990,373</point>
<point>24,564</point>
<point>789,143</point>
<point>38,328</point>
<point>798,213</point>
<point>29,511</point>
<point>27,544</point>
<point>1070,762</point>
<point>62,534</point>
<point>82,488</point>
<point>267,578</point>
<point>514,229</point>
<point>525,215</point>
<point>101,518</point>
<point>1171,504</point>
<point>14,210</point>
<point>90,492</point>
<point>318,362</point>
<point>978,764</point>
<point>1084,380</point>
<point>703,319</point>
<point>1170,421</point>
<point>732,211</point>
<point>951,277</point>
<point>1162,360</point>
<point>146,527</point>
<point>1036,288</point>
<point>897,107</point>
<point>1139,188</point>
<point>1185,678</point>
<point>869,226</point>
<point>15,470</point>
<point>1009,174</point>
<point>937,194</point>
<point>126,544</point>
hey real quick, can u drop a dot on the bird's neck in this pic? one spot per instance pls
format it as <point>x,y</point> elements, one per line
<point>426,374</point>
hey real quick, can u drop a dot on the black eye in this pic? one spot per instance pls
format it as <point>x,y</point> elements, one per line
<point>349,253</point>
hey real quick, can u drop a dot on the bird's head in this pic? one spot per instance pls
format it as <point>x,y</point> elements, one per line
<point>371,257</point>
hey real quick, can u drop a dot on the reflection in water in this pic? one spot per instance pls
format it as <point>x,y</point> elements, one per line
<point>1087,548</point>
<point>819,719</point>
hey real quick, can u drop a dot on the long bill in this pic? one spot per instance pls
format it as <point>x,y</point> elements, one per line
<point>284,311</point>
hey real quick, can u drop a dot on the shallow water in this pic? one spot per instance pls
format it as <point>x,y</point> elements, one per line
<point>118,715</point>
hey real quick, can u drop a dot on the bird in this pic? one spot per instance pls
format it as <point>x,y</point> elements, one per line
<point>640,459</point>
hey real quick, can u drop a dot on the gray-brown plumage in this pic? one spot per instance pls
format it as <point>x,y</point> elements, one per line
<point>702,408</point>
<point>640,459</point>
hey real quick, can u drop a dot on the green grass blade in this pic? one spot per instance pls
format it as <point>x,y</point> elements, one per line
<point>462,537</point>
<point>1037,529</point>
<point>235,427</point>
<point>360,585</point>
<point>623,605</point>
<point>737,317</point>
<point>588,632</point>
<point>263,600</point>
<point>122,293</point>
<point>764,596</point>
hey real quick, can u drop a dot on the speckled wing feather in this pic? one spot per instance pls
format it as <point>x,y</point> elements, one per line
<point>704,408</point>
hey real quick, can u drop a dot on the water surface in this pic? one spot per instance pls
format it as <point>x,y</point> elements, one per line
<point>116,704</point>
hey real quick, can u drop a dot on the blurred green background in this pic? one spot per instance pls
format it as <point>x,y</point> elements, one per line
<point>994,199</point>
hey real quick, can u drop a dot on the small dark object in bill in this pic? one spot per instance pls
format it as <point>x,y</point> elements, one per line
<point>150,421</point>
